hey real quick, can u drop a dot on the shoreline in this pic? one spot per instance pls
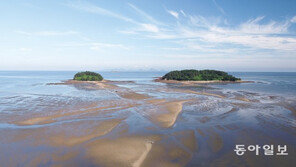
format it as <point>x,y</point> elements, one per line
<point>72,81</point>
<point>158,79</point>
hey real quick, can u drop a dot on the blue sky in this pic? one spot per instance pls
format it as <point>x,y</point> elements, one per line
<point>245,35</point>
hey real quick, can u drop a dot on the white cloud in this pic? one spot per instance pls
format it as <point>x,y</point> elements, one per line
<point>200,21</point>
<point>207,48</point>
<point>183,13</point>
<point>87,7</point>
<point>255,41</point>
<point>142,27</point>
<point>173,13</point>
<point>293,20</point>
<point>219,7</point>
<point>144,14</point>
<point>253,26</point>
<point>163,35</point>
<point>252,33</point>
<point>150,28</point>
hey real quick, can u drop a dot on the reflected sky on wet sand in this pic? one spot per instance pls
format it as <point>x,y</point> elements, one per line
<point>143,123</point>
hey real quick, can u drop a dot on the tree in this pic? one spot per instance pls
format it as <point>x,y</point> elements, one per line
<point>88,76</point>
<point>199,75</point>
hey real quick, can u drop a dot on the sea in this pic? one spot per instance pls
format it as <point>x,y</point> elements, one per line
<point>35,82</point>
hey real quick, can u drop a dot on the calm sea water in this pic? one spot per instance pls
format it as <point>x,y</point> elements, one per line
<point>34,82</point>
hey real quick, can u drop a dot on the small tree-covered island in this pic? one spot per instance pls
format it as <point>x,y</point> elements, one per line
<point>87,76</point>
<point>199,75</point>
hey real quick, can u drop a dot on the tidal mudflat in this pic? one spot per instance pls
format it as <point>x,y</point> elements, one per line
<point>142,124</point>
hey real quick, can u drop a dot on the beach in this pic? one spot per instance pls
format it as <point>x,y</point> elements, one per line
<point>128,120</point>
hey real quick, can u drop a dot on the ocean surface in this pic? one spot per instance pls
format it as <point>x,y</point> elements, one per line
<point>38,115</point>
<point>34,82</point>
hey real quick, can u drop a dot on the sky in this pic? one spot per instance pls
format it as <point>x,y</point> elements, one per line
<point>156,35</point>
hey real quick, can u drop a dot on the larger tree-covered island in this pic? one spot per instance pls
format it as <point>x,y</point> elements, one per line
<point>87,76</point>
<point>199,75</point>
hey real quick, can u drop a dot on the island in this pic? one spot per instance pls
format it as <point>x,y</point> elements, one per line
<point>87,76</point>
<point>199,76</point>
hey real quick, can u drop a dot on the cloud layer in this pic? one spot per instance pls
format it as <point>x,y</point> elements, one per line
<point>206,31</point>
<point>154,36</point>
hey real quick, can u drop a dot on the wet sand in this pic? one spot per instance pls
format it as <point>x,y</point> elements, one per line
<point>124,151</point>
<point>70,140</point>
<point>169,114</point>
<point>65,114</point>
<point>170,125</point>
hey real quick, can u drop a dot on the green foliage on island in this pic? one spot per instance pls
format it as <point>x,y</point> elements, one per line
<point>199,75</point>
<point>88,76</point>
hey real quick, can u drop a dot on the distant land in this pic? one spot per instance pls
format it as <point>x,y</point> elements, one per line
<point>199,75</point>
<point>87,76</point>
